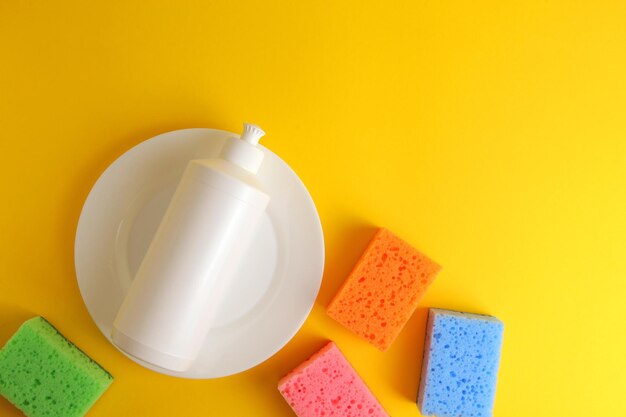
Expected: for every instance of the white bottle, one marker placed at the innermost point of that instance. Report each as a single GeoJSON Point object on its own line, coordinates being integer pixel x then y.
{"type": "Point", "coordinates": [166, 314]}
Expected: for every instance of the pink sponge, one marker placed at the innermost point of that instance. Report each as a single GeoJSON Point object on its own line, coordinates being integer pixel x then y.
{"type": "Point", "coordinates": [327, 385]}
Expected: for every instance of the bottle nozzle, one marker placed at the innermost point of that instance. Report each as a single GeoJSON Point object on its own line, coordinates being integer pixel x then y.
{"type": "Point", "coordinates": [244, 151]}
{"type": "Point", "coordinates": [252, 133]}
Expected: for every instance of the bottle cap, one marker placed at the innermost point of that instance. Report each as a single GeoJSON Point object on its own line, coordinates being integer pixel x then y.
{"type": "Point", "coordinates": [244, 151]}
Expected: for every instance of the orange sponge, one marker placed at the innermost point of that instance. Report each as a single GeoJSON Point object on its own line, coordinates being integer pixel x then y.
{"type": "Point", "coordinates": [382, 291]}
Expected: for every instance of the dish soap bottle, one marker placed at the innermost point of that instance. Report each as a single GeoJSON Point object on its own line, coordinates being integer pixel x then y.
{"type": "Point", "coordinates": [166, 314]}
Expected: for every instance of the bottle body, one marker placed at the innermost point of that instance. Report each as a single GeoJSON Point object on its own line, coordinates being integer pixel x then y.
{"type": "Point", "coordinates": [166, 314]}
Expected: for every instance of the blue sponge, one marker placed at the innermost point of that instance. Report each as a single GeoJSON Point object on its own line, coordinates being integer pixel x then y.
{"type": "Point", "coordinates": [460, 367]}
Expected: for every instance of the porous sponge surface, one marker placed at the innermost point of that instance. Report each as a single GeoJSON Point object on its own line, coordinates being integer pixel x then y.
{"type": "Point", "coordinates": [327, 385]}
{"type": "Point", "coordinates": [382, 291]}
{"type": "Point", "coordinates": [460, 367]}
{"type": "Point", "coordinates": [44, 374]}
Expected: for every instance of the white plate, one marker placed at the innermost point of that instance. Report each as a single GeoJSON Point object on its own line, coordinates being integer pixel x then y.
{"type": "Point", "coordinates": [273, 292]}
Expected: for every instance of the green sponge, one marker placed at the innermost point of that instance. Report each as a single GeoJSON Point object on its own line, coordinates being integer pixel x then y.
{"type": "Point", "coordinates": [44, 374]}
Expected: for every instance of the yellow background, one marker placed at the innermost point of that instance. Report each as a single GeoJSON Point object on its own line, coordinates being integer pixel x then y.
{"type": "Point", "coordinates": [490, 135]}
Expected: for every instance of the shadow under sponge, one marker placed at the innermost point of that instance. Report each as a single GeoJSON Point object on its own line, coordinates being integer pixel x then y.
{"type": "Point", "coordinates": [460, 366]}
{"type": "Point", "coordinates": [327, 385]}
{"type": "Point", "coordinates": [382, 291]}
{"type": "Point", "coordinates": [44, 374]}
